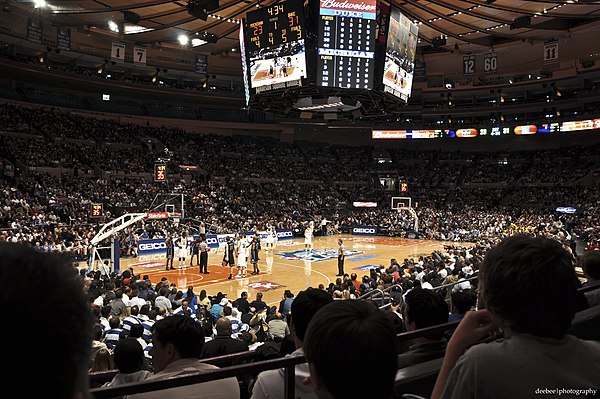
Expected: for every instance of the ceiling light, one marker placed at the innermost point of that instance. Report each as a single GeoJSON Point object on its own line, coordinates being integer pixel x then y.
{"type": "Point", "coordinates": [39, 3]}
{"type": "Point", "coordinates": [112, 25]}
{"type": "Point", "coordinates": [183, 39]}
{"type": "Point", "coordinates": [198, 42]}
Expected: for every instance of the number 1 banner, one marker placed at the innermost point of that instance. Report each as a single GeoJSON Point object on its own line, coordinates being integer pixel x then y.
{"type": "Point", "coordinates": [139, 55]}
{"type": "Point", "coordinates": [117, 53]}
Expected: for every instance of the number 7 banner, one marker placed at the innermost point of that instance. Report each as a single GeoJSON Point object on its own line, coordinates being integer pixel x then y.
{"type": "Point", "coordinates": [139, 55]}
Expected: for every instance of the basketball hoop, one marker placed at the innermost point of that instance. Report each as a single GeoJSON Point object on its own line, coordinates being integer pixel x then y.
{"type": "Point", "coordinates": [401, 204]}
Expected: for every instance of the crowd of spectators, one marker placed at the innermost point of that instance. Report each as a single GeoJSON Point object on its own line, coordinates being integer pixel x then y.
{"type": "Point", "coordinates": [64, 162]}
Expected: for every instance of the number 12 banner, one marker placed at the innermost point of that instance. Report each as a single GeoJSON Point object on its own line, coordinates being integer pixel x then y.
{"type": "Point", "coordinates": [469, 65]}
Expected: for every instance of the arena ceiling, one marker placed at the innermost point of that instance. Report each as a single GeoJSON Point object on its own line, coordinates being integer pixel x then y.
{"type": "Point", "coordinates": [443, 24]}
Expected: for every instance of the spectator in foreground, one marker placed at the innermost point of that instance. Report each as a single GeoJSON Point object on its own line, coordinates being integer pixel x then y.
{"type": "Point", "coordinates": [335, 335]}
{"type": "Point", "coordinates": [520, 281]}
{"type": "Point", "coordinates": [590, 263]}
{"type": "Point", "coordinates": [63, 311]}
{"type": "Point", "coordinates": [424, 308]}
{"type": "Point", "coordinates": [129, 359]}
{"type": "Point", "coordinates": [177, 345]}
{"type": "Point", "coordinates": [222, 343]}
{"type": "Point", "coordinates": [270, 383]}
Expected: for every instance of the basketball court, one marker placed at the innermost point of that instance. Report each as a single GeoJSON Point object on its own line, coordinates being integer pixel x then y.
{"type": "Point", "coordinates": [288, 266]}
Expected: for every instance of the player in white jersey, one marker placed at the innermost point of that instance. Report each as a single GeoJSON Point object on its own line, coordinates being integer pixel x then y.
{"type": "Point", "coordinates": [270, 240]}
{"type": "Point", "coordinates": [242, 253]}
{"type": "Point", "coordinates": [181, 243]}
{"type": "Point", "coordinates": [308, 236]}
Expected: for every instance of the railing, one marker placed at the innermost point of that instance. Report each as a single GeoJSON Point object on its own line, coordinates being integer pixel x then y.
{"type": "Point", "coordinates": [439, 287]}
{"type": "Point", "coordinates": [288, 364]}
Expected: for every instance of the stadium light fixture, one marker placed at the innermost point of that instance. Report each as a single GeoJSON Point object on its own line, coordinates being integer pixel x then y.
{"type": "Point", "coordinates": [183, 39]}
{"type": "Point", "coordinates": [198, 42]}
{"type": "Point", "coordinates": [113, 26]}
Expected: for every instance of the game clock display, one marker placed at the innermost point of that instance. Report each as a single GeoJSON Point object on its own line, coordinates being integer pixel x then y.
{"type": "Point", "coordinates": [346, 46]}
{"type": "Point", "coordinates": [275, 25]}
{"type": "Point", "coordinates": [275, 45]}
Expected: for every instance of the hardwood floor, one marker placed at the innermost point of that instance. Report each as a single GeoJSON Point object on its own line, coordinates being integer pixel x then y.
{"type": "Point", "coordinates": [288, 266]}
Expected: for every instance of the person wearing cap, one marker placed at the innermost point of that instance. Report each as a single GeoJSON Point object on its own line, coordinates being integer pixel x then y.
{"type": "Point", "coordinates": [217, 309]}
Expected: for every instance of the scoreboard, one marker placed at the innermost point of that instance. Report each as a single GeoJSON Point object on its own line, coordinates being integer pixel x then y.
{"type": "Point", "coordinates": [275, 47]}
{"type": "Point", "coordinates": [275, 25]}
{"type": "Point", "coordinates": [346, 45]}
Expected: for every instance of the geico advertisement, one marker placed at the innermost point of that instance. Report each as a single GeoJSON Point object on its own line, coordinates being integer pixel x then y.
{"type": "Point", "coordinates": [364, 230]}
{"type": "Point", "coordinates": [149, 246]}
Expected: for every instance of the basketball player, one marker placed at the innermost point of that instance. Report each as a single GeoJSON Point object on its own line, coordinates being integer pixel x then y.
{"type": "Point", "coordinates": [204, 249]}
{"type": "Point", "coordinates": [341, 257]}
{"type": "Point", "coordinates": [229, 256]}
{"type": "Point", "coordinates": [181, 250]}
{"type": "Point", "coordinates": [254, 250]}
{"type": "Point", "coordinates": [308, 236]}
{"type": "Point", "coordinates": [170, 250]}
{"type": "Point", "coordinates": [270, 238]}
{"type": "Point", "coordinates": [195, 245]}
{"type": "Point", "coordinates": [242, 254]}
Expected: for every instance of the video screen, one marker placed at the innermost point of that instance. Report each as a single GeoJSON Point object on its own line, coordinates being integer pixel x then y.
{"type": "Point", "coordinates": [400, 55]}
{"type": "Point", "coordinates": [271, 66]}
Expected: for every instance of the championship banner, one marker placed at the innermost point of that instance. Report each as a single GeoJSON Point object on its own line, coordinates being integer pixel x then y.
{"type": "Point", "coordinates": [35, 30]}
{"type": "Point", "coordinates": [551, 51]}
{"type": "Point", "coordinates": [160, 172]}
{"type": "Point", "coordinates": [201, 64]}
{"type": "Point", "coordinates": [63, 38]}
{"type": "Point", "coordinates": [97, 210]}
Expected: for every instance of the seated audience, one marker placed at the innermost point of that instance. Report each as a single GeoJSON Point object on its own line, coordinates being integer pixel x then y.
{"type": "Point", "coordinates": [130, 361]}
{"type": "Point", "coordinates": [177, 346]}
{"type": "Point", "coordinates": [424, 308]}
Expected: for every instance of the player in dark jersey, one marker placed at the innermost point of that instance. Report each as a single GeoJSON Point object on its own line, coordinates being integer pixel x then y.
{"type": "Point", "coordinates": [229, 256]}
{"type": "Point", "coordinates": [195, 252]}
{"type": "Point", "coordinates": [170, 251]}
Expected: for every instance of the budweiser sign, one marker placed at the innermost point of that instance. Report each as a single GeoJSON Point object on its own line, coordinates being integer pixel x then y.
{"type": "Point", "coordinates": [350, 5]}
